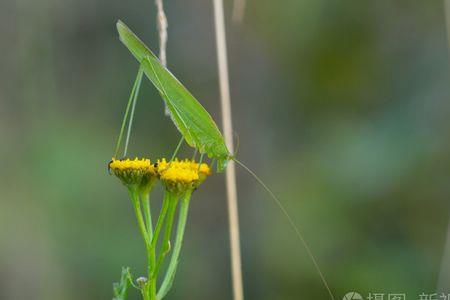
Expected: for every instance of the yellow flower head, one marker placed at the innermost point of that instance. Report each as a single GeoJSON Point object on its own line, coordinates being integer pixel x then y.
{"type": "Point", "coordinates": [203, 169]}
{"type": "Point", "coordinates": [181, 175]}
{"type": "Point", "coordinates": [139, 173]}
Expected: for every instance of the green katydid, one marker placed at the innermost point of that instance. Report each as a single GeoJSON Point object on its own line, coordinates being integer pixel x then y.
{"type": "Point", "coordinates": [197, 128]}
{"type": "Point", "coordinates": [191, 119]}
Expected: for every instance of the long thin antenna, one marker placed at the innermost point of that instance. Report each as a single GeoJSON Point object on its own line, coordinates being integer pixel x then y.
{"type": "Point", "coordinates": [236, 270]}
{"type": "Point", "coordinates": [292, 223]}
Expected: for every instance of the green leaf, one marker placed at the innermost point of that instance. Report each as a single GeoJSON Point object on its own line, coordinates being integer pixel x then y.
{"type": "Point", "coordinates": [189, 116]}
{"type": "Point", "coordinates": [121, 288]}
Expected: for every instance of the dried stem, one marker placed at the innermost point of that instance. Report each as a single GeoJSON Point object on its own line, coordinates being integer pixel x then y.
{"type": "Point", "coordinates": [228, 133]}
{"type": "Point", "coordinates": [161, 23]}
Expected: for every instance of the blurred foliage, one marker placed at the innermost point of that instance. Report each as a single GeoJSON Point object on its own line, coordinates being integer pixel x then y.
{"type": "Point", "coordinates": [341, 106]}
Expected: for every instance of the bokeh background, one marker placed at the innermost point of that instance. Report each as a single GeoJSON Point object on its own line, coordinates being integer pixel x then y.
{"type": "Point", "coordinates": [342, 107]}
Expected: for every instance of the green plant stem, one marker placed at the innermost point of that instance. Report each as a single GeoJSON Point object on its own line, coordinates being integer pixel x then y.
{"type": "Point", "coordinates": [161, 217]}
{"type": "Point", "coordinates": [154, 241]}
{"type": "Point", "coordinates": [134, 195]}
{"type": "Point", "coordinates": [145, 198]}
{"type": "Point", "coordinates": [145, 294]}
{"type": "Point", "coordinates": [165, 246]}
{"type": "Point", "coordinates": [137, 209]}
{"type": "Point", "coordinates": [172, 268]}
{"type": "Point", "coordinates": [150, 289]}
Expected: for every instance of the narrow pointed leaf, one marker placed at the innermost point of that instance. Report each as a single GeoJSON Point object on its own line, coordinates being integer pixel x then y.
{"type": "Point", "coordinates": [189, 116]}
{"type": "Point", "coordinates": [120, 289]}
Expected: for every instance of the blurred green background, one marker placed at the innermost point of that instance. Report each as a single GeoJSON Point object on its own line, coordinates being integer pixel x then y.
{"type": "Point", "coordinates": [342, 107]}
